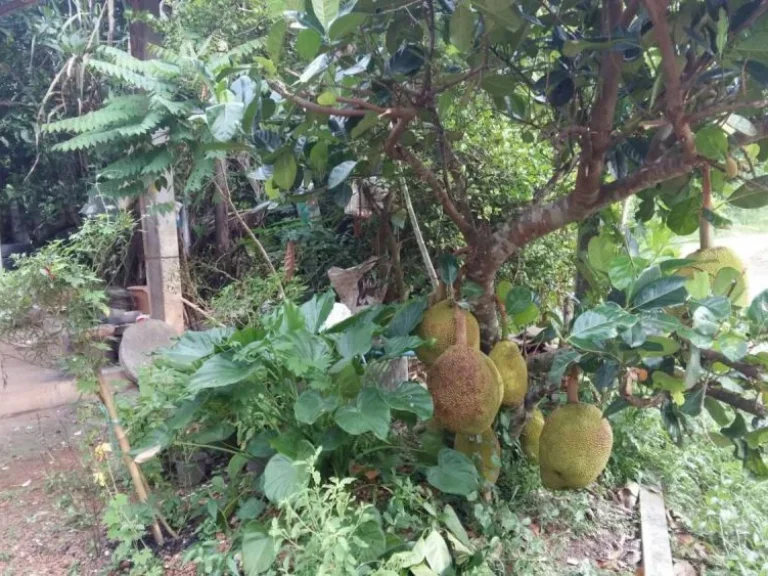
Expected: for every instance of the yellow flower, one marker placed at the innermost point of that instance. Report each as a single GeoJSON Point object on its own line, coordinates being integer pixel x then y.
{"type": "Point", "coordinates": [100, 479]}
{"type": "Point", "coordinates": [102, 450]}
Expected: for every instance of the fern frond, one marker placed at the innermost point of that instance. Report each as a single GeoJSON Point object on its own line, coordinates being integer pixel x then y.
{"type": "Point", "coordinates": [172, 107]}
{"type": "Point", "coordinates": [93, 139]}
{"type": "Point", "coordinates": [135, 79]}
{"type": "Point", "coordinates": [152, 67]}
{"type": "Point", "coordinates": [162, 160]}
{"type": "Point", "coordinates": [246, 49]}
{"type": "Point", "coordinates": [127, 167]}
{"type": "Point", "coordinates": [200, 175]}
{"type": "Point", "coordinates": [115, 111]}
{"type": "Point", "coordinates": [121, 188]}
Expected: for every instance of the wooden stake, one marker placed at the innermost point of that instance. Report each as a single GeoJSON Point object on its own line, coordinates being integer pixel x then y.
{"type": "Point", "coordinates": [108, 398]}
{"type": "Point", "coordinates": [705, 226]}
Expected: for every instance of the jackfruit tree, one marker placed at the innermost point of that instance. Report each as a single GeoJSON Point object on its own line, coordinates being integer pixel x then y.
{"type": "Point", "coordinates": [654, 104]}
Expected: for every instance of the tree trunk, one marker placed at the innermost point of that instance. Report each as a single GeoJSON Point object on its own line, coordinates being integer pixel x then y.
{"type": "Point", "coordinates": [484, 307]}
{"type": "Point", "coordinates": [705, 226]}
{"type": "Point", "coordinates": [141, 33]}
{"type": "Point", "coordinates": [221, 202]}
{"type": "Point", "coordinates": [588, 229]}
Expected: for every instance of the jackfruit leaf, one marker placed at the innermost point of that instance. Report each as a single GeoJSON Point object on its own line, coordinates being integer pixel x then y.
{"type": "Point", "coordinates": [454, 473]}
{"type": "Point", "coordinates": [720, 306]}
{"type": "Point", "coordinates": [283, 478]}
{"type": "Point", "coordinates": [318, 158]}
{"type": "Point", "coordinates": [716, 219]}
{"type": "Point", "coordinates": [752, 194]}
{"type": "Point", "coordinates": [615, 407]}
{"type": "Point", "coordinates": [410, 397]}
{"type": "Point", "coordinates": [712, 142]}
{"type": "Point", "coordinates": [621, 272]}
{"type": "Point", "coordinates": [346, 24]}
{"type": "Point", "coordinates": [219, 371]}
{"type": "Point", "coordinates": [732, 346]}
{"type": "Point", "coordinates": [448, 268]}
{"type": "Point", "coordinates": [259, 549]}
{"type": "Point", "coordinates": [757, 313]}
{"type": "Point", "coordinates": [318, 65]}
{"type": "Point", "coordinates": [757, 438]}
{"type": "Point", "coordinates": [737, 429]}
{"type": "Point", "coordinates": [224, 120]}
{"type": "Point", "coordinates": [657, 321]}
{"type": "Point", "coordinates": [216, 433]}
{"type": "Point", "coordinates": [661, 293]}
{"type": "Point", "coordinates": [650, 274]}
{"type": "Point", "coordinates": [593, 325]}
{"type": "Point", "coordinates": [370, 413]}
{"type": "Point", "coordinates": [658, 346]}
{"type": "Point", "coordinates": [317, 310]}
{"type": "Point", "coordinates": [275, 40]}
{"type": "Point", "coordinates": [463, 28]}
{"type": "Point", "coordinates": [697, 285]}
{"type": "Point", "coordinates": [674, 264]}
{"type": "Point", "coordinates": [717, 411]}
{"type": "Point", "coordinates": [406, 318]}
{"type": "Point", "coordinates": [527, 316]}
{"type": "Point", "coordinates": [311, 405]}
{"type": "Point", "coordinates": [502, 290]}
{"type": "Point", "coordinates": [340, 173]}
{"type": "Point", "coordinates": [357, 340]}
{"type": "Point", "coordinates": [694, 402]}
{"type": "Point", "coordinates": [563, 359]}
{"type": "Point", "coordinates": [606, 374]}
{"type": "Point", "coordinates": [675, 386]}
{"type": "Point", "coordinates": [684, 217]}
{"type": "Point", "coordinates": [704, 321]}
{"type": "Point", "coordinates": [285, 170]}
{"type": "Point", "coordinates": [436, 553]}
{"type": "Point", "coordinates": [192, 347]}
{"type": "Point", "coordinates": [755, 464]}
{"type": "Point", "coordinates": [471, 290]}
{"type": "Point", "coordinates": [635, 336]}
{"type": "Point", "coordinates": [451, 521]}
{"type": "Point", "coordinates": [729, 283]}
{"type": "Point", "coordinates": [503, 14]}
{"type": "Point", "coordinates": [600, 251]}
{"type": "Point", "coordinates": [498, 85]}
{"type": "Point", "coordinates": [519, 298]}
{"type": "Point", "coordinates": [326, 11]}
{"type": "Point", "coordinates": [308, 43]}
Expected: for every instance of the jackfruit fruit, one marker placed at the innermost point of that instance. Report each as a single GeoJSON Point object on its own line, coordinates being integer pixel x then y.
{"type": "Point", "coordinates": [712, 261]}
{"type": "Point", "coordinates": [466, 390]}
{"type": "Point", "coordinates": [574, 447]}
{"type": "Point", "coordinates": [529, 439]}
{"type": "Point", "coordinates": [439, 322]}
{"type": "Point", "coordinates": [731, 167]}
{"type": "Point", "coordinates": [484, 450]}
{"type": "Point", "coordinates": [514, 372]}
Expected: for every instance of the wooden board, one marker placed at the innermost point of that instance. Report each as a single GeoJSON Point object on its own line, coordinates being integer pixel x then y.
{"type": "Point", "coordinates": [657, 553]}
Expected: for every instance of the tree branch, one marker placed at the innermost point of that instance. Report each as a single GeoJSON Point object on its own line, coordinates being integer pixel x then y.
{"type": "Point", "coordinates": [724, 107]}
{"type": "Point", "coordinates": [363, 107]}
{"type": "Point", "coordinates": [733, 399]}
{"type": "Point", "coordinates": [657, 10]}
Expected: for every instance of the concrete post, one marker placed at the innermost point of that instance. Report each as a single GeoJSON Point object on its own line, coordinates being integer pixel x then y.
{"type": "Point", "coordinates": [161, 254]}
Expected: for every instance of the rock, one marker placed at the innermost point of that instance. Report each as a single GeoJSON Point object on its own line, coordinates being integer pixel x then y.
{"type": "Point", "coordinates": [140, 341]}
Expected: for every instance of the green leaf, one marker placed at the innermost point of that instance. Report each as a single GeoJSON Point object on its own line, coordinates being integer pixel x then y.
{"type": "Point", "coordinates": [236, 465]}
{"type": "Point", "coordinates": [340, 173]}
{"type": "Point", "coordinates": [410, 397]}
{"type": "Point", "coordinates": [259, 550]}
{"type": "Point", "coordinates": [326, 99]}
{"type": "Point", "coordinates": [498, 85]}
{"type": "Point", "coordinates": [250, 509]}
{"type": "Point", "coordinates": [729, 282]}
{"type": "Point", "coordinates": [451, 521]}
{"type": "Point", "coordinates": [215, 433]}
{"type": "Point", "coordinates": [346, 24]}
{"type": "Point", "coordinates": [448, 268]}
{"type": "Point", "coordinates": [737, 429]}
{"type": "Point", "coordinates": [326, 11]}
{"type": "Point", "coordinates": [606, 374]}
{"type": "Point", "coordinates": [219, 371]}
{"type": "Point", "coordinates": [406, 318]}
{"type": "Point", "coordinates": [527, 316]}
{"type": "Point", "coordinates": [285, 170]}
{"type": "Point", "coordinates": [369, 121]}
{"type": "Point", "coordinates": [662, 293]}
{"type": "Point", "coordinates": [436, 553]}
{"type": "Point", "coordinates": [463, 27]}
{"type": "Point", "coordinates": [283, 478]}
{"type": "Point", "coordinates": [722, 31]}
{"type": "Point", "coordinates": [501, 13]}
{"type": "Point", "coordinates": [318, 158]}
{"type": "Point", "coordinates": [621, 272]}
{"type": "Point", "coordinates": [757, 313]}
{"type": "Point", "coordinates": [224, 120]}
{"type": "Point", "coordinates": [732, 346]}
{"type": "Point", "coordinates": [757, 438]}
{"type": "Point", "coordinates": [752, 194]}
{"type": "Point", "coordinates": [370, 413]}
{"type": "Point", "coordinates": [717, 411]}
{"type": "Point", "coordinates": [600, 252]}
{"type": "Point", "coordinates": [650, 274]}
{"type": "Point", "coordinates": [563, 359]}
{"type": "Point", "coordinates": [193, 347]}
{"type": "Point", "coordinates": [308, 43]}
{"type": "Point", "coordinates": [518, 300]}
{"type": "Point", "coordinates": [356, 340]}
{"type": "Point", "coordinates": [311, 405]}
{"type": "Point", "coordinates": [454, 473]}
{"type": "Point", "coordinates": [275, 40]}
{"type": "Point", "coordinates": [658, 347]}
{"type": "Point", "coordinates": [592, 325]}
{"type": "Point", "coordinates": [615, 407]}
{"type": "Point", "coordinates": [675, 386]}
{"type": "Point", "coordinates": [374, 537]}
{"type": "Point", "coordinates": [698, 285]}
{"type": "Point", "coordinates": [318, 65]}
{"type": "Point", "coordinates": [317, 310]}
{"type": "Point", "coordinates": [712, 142]}
{"type": "Point", "coordinates": [684, 217]}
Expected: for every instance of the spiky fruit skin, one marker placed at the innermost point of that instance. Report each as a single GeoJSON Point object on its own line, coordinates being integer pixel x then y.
{"type": "Point", "coordinates": [514, 372]}
{"type": "Point", "coordinates": [711, 261]}
{"type": "Point", "coordinates": [574, 447]}
{"type": "Point", "coordinates": [439, 322]}
{"type": "Point", "coordinates": [466, 390]}
{"type": "Point", "coordinates": [529, 439]}
{"type": "Point", "coordinates": [484, 450]}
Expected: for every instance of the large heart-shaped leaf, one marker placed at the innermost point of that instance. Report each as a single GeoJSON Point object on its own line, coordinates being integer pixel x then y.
{"type": "Point", "coordinates": [259, 550]}
{"type": "Point", "coordinates": [752, 194]}
{"type": "Point", "coordinates": [411, 397]}
{"type": "Point", "coordinates": [370, 413]}
{"type": "Point", "coordinates": [219, 371]}
{"type": "Point", "coordinates": [661, 293]}
{"type": "Point", "coordinates": [224, 120]}
{"type": "Point", "coordinates": [454, 473]}
{"type": "Point", "coordinates": [283, 478]}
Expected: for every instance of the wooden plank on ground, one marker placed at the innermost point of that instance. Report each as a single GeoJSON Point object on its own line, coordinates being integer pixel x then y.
{"type": "Point", "coordinates": [657, 553]}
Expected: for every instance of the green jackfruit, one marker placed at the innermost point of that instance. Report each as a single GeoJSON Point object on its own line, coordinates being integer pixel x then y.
{"type": "Point", "coordinates": [514, 372]}
{"type": "Point", "coordinates": [484, 450]}
{"type": "Point", "coordinates": [529, 439]}
{"type": "Point", "coordinates": [439, 322]}
{"type": "Point", "coordinates": [712, 261]}
{"type": "Point", "coordinates": [574, 446]}
{"type": "Point", "coordinates": [466, 390]}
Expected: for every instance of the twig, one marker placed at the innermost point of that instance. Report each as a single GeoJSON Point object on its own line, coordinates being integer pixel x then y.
{"type": "Point", "coordinates": [419, 237]}
{"type": "Point", "coordinates": [202, 312]}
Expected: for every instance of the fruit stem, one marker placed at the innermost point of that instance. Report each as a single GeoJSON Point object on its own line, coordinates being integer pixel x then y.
{"type": "Point", "coordinates": [504, 318]}
{"type": "Point", "coordinates": [705, 226]}
{"type": "Point", "coordinates": [461, 325]}
{"type": "Point", "coordinates": [572, 385]}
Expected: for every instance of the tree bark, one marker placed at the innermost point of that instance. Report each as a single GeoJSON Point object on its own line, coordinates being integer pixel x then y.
{"type": "Point", "coordinates": [588, 229]}
{"type": "Point", "coordinates": [141, 34]}
{"type": "Point", "coordinates": [705, 226]}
